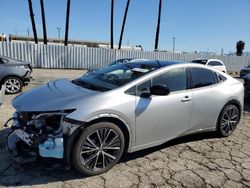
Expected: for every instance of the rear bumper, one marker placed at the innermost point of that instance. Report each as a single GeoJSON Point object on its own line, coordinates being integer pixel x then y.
{"type": "Point", "coordinates": [2, 92]}
{"type": "Point", "coordinates": [27, 78]}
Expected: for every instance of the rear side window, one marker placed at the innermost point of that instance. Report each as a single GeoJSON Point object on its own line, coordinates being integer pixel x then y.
{"type": "Point", "coordinates": [175, 80]}
{"type": "Point", "coordinates": [215, 63]}
{"type": "Point", "coordinates": [200, 77]}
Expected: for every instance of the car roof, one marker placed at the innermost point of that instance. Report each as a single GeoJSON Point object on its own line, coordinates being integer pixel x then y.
{"type": "Point", "coordinates": [155, 63]}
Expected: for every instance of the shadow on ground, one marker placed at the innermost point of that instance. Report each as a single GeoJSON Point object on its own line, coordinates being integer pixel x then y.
{"type": "Point", "coordinates": [45, 171]}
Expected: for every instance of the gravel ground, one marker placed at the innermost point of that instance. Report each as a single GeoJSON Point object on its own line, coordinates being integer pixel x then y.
{"type": "Point", "coordinates": [201, 160]}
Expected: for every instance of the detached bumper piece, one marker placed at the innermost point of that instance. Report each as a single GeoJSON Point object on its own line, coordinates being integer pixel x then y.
{"type": "Point", "coordinates": [20, 147]}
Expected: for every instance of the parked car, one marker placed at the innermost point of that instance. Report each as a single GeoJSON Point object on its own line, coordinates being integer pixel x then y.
{"type": "Point", "coordinates": [2, 91]}
{"type": "Point", "coordinates": [216, 63]}
{"type": "Point", "coordinates": [91, 121]}
{"type": "Point", "coordinates": [246, 79]}
{"type": "Point", "coordinates": [245, 71]}
{"type": "Point", "coordinates": [119, 61]}
{"type": "Point", "coordinates": [14, 74]}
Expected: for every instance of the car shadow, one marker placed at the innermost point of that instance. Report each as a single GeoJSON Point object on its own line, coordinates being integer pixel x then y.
{"type": "Point", "coordinates": [49, 170]}
{"type": "Point", "coordinates": [174, 142]}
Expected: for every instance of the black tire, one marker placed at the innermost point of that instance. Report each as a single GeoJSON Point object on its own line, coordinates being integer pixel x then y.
{"type": "Point", "coordinates": [91, 161]}
{"type": "Point", "coordinates": [13, 85]}
{"type": "Point", "coordinates": [228, 120]}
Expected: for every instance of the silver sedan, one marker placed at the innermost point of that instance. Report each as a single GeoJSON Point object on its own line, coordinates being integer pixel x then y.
{"type": "Point", "coordinates": [91, 121]}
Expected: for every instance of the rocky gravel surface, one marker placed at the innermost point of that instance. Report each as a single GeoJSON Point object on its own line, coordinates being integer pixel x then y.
{"type": "Point", "coordinates": [201, 160]}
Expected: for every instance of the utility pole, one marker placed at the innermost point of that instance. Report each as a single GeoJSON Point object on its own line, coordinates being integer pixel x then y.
{"type": "Point", "coordinates": [58, 31]}
{"type": "Point", "coordinates": [123, 24]}
{"type": "Point", "coordinates": [44, 22]}
{"type": "Point", "coordinates": [28, 31]}
{"type": "Point", "coordinates": [67, 23]}
{"type": "Point", "coordinates": [32, 21]}
{"type": "Point", "coordinates": [173, 43]}
{"type": "Point", "coordinates": [222, 51]}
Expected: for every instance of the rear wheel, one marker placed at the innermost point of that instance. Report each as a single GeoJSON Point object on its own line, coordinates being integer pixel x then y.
{"type": "Point", "coordinates": [13, 85]}
{"type": "Point", "coordinates": [228, 120]}
{"type": "Point", "coordinates": [98, 149]}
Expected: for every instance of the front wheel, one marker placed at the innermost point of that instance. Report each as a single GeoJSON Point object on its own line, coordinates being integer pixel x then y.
{"type": "Point", "coordinates": [228, 120]}
{"type": "Point", "coordinates": [98, 149]}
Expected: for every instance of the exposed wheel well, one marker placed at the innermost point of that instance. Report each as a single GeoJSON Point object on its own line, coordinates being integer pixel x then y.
{"type": "Point", "coordinates": [120, 124]}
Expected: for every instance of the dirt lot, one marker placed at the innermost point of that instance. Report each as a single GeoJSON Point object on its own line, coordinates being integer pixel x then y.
{"type": "Point", "coordinates": [195, 161]}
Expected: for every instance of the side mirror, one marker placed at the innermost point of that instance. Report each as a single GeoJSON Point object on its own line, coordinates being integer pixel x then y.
{"type": "Point", "coordinates": [160, 90]}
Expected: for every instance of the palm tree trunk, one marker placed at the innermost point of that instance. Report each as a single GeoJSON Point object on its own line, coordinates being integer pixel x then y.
{"type": "Point", "coordinates": [44, 22]}
{"type": "Point", "coordinates": [158, 26]}
{"type": "Point", "coordinates": [123, 24]}
{"type": "Point", "coordinates": [67, 23]}
{"type": "Point", "coordinates": [32, 20]}
{"type": "Point", "coordinates": [112, 25]}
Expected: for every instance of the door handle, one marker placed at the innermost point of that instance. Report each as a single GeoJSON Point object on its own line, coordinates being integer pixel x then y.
{"type": "Point", "coordinates": [186, 99]}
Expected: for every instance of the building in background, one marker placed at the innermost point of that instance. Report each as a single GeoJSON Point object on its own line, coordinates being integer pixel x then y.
{"type": "Point", "coordinates": [85, 43]}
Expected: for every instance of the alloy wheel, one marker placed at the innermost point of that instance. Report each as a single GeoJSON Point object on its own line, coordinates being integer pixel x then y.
{"type": "Point", "coordinates": [229, 120]}
{"type": "Point", "coordinates": [100, 149]}
{"type": "Point", "coordinates": [12, 85]}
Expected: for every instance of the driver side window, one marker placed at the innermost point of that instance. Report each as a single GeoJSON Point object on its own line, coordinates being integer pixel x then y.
{"type": "Point", "coordinates": [142, 87]}
{"type": "Point", "coordinates": [175, 80]}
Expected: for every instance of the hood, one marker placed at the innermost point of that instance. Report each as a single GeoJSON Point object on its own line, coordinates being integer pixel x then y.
{"type": "Point", "coordinates": [53, 96]}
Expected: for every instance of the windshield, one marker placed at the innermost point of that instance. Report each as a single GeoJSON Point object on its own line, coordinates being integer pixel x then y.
{"type": "Point", "coordinates": [200, 61]}
{"type": "Point", "coordinates": [112, 77]}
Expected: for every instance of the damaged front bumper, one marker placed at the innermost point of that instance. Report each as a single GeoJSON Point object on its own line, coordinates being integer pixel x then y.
{"type": "Point", "coordinates": [42, 135]}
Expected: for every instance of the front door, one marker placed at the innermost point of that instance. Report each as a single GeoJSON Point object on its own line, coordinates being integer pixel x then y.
{"type": "Point", "coordinates": [160, 118]}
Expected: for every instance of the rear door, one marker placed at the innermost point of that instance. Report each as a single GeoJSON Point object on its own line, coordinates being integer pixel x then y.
{"type": "Point", "coordinates": [209, 96]}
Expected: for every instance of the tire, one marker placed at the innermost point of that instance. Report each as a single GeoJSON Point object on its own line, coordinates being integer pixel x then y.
{"type": "Point", "coordinates": [13, 85]}
{"type": "Point", "coordinates": [228, 120]}
{"type": "Point", "coordinates": [90, 157]}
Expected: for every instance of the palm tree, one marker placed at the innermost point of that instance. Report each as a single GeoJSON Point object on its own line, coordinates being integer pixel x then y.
{"type": "Point", "coordinates": [67, 23]}
{"type": "Point", "coordinates": [123, 24]}
{"type": "Point", "coordinates": [158, 26]}
{"type": "Point", "coordinates": [32, 20]}
{"type": "Point", "coordinates": [240, 45]}
{"type": "Point", "coordinates": [44, 22]}
{"type": "Point", "coordinates": [112, 25]}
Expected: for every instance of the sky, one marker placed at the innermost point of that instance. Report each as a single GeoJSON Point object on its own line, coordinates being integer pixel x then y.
{"type": "Point", "coordinates": [197, 25]}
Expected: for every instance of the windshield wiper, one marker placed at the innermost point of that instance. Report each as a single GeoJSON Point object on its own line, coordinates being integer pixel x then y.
{"type": "Point", "coordinates": [87, 85]}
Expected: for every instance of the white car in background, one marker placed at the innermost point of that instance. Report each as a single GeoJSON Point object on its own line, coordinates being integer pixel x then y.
{"type": "Point", "coordinates": [216, 63]}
